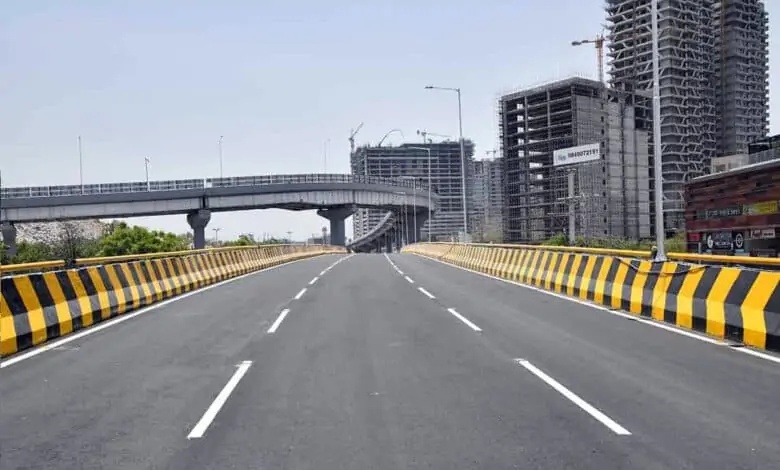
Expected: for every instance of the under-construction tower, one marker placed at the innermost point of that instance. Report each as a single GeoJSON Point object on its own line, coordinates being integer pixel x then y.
{"type": "Point", "coordinates": [712, 80]}
{"type": "Point", "coordinates": [742, 73]}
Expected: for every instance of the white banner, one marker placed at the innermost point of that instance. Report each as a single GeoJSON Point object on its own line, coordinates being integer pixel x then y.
{"type": "Point", "coordinates": [579, 154]}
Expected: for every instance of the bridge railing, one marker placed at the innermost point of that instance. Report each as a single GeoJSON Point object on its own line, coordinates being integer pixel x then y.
{"type": "Point", "coordinates": [201, 183]}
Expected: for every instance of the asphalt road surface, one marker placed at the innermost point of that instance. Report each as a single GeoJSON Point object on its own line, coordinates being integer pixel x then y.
{"type": "Point", "coordinates": [376, 362]}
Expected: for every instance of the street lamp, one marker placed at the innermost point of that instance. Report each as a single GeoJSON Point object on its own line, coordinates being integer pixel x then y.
{"type": "Point", "coordinates": [216, 234]}
{"type": "Point", "coordinates": [462, 154]}
{"type": "Point", "coordinates": [430, 186]}
{"type": "Point", "coordinates": [657, 168]}
{"type": "Point", "coordinates": [146, 167]}
{"type": "Point", "coordinates": [220, 155]}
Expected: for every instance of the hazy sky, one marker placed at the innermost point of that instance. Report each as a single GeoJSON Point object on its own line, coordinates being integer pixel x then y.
{"type": "Point", "coordinates": [166, 78]}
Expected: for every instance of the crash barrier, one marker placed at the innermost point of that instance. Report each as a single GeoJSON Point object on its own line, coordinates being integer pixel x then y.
{"type": "Point", "coordinates": [40, 306]}
{"type": "Point", "coordinates": [736, 304]}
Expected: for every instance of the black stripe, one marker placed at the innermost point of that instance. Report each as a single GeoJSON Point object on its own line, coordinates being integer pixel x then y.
{"type": "Point", "coordinates": [194, 270]}
{"type": "Point", "coordinates": [567, 274]}
{"type": "Point", "coordinates": [113, 302]}
{"type": "Point", "coordinates": [89, 287]}
{"type": "Point", "coordinates": [625, 303]}
{"type": "Point", "coordinates": [706, 283]}
{"type": "Point", "coordinates": [18, 313]}
{"type": "Point", "coordinates": [647, 292]}
{"type": "Point", "coordinates": [162, 278]}
{"type": "Point", "coordinates": [47, 305]}
{"type": "Point", "coordinates": [167, 272]}
{"type": "Point", "coordinates": [144, 267]}
{"type": "Point", "coordinates": [556, 267]}
{"type": "Point", "coordinates": [70, 295]}
{"type": "Point", "coordinates": [180, 267]}
{"type": "Point", "coordinates": [126, 288]}
{"type": "Point", "coordinates": [135, 283]}
{"type": "Point", "coordinates": [672, 292]}
{"type": "Point", "coordinates": [772, 317]}
{"type": "Point", "coordinates": [610, 281]}
{"type": "Point", "coordinates": [594, 277]}
{"type": "Point", "coordinates": [584, 259]}
{"type": "Point", "coordinates": [735, 328]}
{"type": "Point", "coordinates": [536, 268]}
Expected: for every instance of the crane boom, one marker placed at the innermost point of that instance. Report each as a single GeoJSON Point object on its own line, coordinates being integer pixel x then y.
{"type": "Point", "coordinates": [352, 134]}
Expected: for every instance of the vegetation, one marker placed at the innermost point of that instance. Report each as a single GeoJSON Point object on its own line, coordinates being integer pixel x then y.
{"type": "Point", "coordinates": [675, 244]}
{"type": "Point", "coordinates": [123, 239]}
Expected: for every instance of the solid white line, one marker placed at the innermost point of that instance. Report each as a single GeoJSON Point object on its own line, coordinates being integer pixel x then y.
{"type": "Point", "coordinates": [200, 429]}
{"type": "Point", "coordinates": [300, 294]}
{"type": "Point", "coordinates": [657, 324]}
{"type": "Point", "coordinates": [464, 320]}
{"type": "Point", "coordinates": [426, 292]}
{"type": "Point", "coordinates": [311, 283]}
{"type": "Point", "coordinates": [574, 398]}
{"type": "Point", "coordinates": [409, 279]}
{"type": "Point", "coordinates": [279, 320]}
{"type": "Point", "coordinates": [121, 319]}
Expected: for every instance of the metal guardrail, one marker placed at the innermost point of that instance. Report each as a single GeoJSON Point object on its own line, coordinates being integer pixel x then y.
{"type": "Point", "coordinates": [387, 222]}
{"type": "Point", "coordinates": [175, 185]}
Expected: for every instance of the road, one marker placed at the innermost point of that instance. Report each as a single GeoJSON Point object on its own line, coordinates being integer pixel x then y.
{"type": "Point", "coordinates": [383, 362]}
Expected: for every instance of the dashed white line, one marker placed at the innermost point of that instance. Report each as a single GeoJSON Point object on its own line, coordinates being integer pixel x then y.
{"type": "Point", "coordinates": [200, 429]}
{"type": "Point", "coordinates": [409, 279]}
{"type": "Point", "coordinates": [279, 321]}
{"type": "Point", "coordinates": [464, 320]}
{"type": "Point", "coordinates": [311, 283]}
{"type": "Point", "coordinates": [430, 296]}
{"type": "Point", "coordinates": [323, 272]}
{"type": "Point", "coordinates": [574, 398]}
{"type": "Point", "coordinates": [300, 294]}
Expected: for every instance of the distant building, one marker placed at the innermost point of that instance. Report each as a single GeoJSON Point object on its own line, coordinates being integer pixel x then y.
{"type": "Point", "coordinates": [761, 150]}
{"type": "Point", "coordinates": [488, 200]}
{"type": "Point", "coordinates": [575, 125]}
{"type": "Point", "coordinates": [407, 162]}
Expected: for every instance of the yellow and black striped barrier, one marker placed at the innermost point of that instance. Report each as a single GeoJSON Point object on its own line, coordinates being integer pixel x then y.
{"type": "Point", "coordinates": [37, 307]}
{"type": "Point", "coordinates": [737, 304]}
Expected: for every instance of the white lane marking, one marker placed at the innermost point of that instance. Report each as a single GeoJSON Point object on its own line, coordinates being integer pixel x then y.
{"type": "Point", "coordinates": [323, 272]}
{"type": "Point", "coordinates": [663, 326]}
{"type": "Point", "coordinates": [200, 429]}
{"type": "Point", "coordinates": [278, 321]}
{"type": "Point", "coordinates": [121, 319]}
{"type": "Point", "coordinates": [574, 398]}
{"type": "Point", "coordinates": [426, 293]}
{"type": "Point", "coordinates": [300, 294]}
{"type": "Point", "coordinates": [397, 269]}
{"type": "Point", "coordinates": [311, 283]}
{"type": "Point", "coordinates": [409, 279]}
{"type": "Point", "coordinates": [464, 320]}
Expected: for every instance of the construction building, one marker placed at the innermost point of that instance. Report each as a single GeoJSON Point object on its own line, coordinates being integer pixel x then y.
{"type": "Point", "coordinates": [575, 125]}
{"type": "Point", "coordinates": [412, 161]}
{"type": "Point", "coordinates": [488, 201]}
{"type": "Point", "coordinates": [713, 80]}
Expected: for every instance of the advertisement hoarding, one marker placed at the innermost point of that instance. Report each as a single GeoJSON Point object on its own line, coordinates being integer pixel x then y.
{"type": "Point", "coordinates": [578, 154]}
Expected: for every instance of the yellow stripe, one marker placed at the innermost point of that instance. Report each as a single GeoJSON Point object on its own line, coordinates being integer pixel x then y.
{"type": "Point", "coordinates": [601, 281]}
{"type": "Point", "coordinates": [549, 275]}
{"type": "Point", "coordinates": [685, 297]}
{"type": "Point", "coordinates": [716, 298]}
{"type": "Point", "coordinates": [617, 284]}
{"type": "Point", "coordinates": [144, 282]}
{"type": "Point", "coordinates": [60, 303]}
{"type": "Point", "coordinates": [174, 280]}
{"type": "Point", "coordinates": [82, 298]}
{"type": "Point", "coordinates": [165, 280]}
{"type": "Point", "coordinates": [539, 273]}
{"type": "Point", "coordinates": [517, 264]}
{"type": "Point", "coordinates": [33, 307]}
{"type": "Point", "coordinates": [638, 286]}
{"type": "Point", "coordinates": [587, 275]}
{"type": "Point", "coordinates": [7, 329]}
{"type": "Point", "coordinates": [571, 279]}
{"type": "Point", "coordinates": [525, 274]}
{"type": "Point", "coordinates": [753, 307]}
{"type": "Point", "coordinates": [660, 290]}
{"type": "Point", "coordinates": [102, 295]}
{"type": "Point", "coordinates": [561, 272]}
{"type": "Point", "coordinates": [135, 290]}
{"type": "Point", "coordinates": [121, 301]}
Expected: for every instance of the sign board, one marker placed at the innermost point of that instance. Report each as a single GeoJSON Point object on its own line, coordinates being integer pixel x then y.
{"type": "Point", "coordinates": [762, 234]}
{"type": "Point", "coordinates": [579, 154]}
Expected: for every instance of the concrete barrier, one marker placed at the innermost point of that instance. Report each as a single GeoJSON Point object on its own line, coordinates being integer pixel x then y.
{"type": "Point", "coordinates": [38, 307]}
{"type": "Point", "coordinates": [742, 305]}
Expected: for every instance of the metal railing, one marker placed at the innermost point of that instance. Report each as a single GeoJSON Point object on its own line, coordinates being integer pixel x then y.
{"type": "Point", "coordinates": [176, 185]}
{"type": "Point", "coordinates": [387, 222]}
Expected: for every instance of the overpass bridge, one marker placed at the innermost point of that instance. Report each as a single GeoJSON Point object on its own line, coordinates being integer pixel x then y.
{"type": "Point", "coordinates": [334, 197]}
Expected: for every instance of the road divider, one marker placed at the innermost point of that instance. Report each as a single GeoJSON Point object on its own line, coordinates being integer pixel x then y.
{"type": "Point", "coordinates": [38, 307]}
{"type": "Point", "coordinates": [737, 304]}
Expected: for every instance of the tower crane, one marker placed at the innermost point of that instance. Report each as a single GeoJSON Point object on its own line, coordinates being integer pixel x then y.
{"type": "Point", "coordinates": [352, 134]}
{"type": "Point", "coordinates": [598, 41]}
{"type": "Point", "coordinates": [425, 135]}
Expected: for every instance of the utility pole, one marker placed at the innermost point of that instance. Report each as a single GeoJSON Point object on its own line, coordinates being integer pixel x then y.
{"type": "Point", "coordinates": [660, 237]}
{"type": "Point", "coordinates": [146, 165]}
{"type": "Point", "coordinates": [81, 168]}
{"type": "Point", "coordinates": [220, 155]}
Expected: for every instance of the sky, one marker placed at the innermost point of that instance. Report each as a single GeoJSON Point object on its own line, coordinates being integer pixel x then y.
{"type": "Point", "coordinates": [283, 81]}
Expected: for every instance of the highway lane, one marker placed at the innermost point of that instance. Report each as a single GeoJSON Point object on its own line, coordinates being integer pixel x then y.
{"type": "Point", "coordinates": [122, 398]}
{"type": "Point", "coordinates": [688, 404]}
{"type": "Point", "coordinates": [387, 364]}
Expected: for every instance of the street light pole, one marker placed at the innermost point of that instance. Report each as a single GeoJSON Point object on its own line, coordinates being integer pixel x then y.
{"type": "Point", "coordinates": [430, 189]}
{"type": "Point", "coordinates": [216, 235]}
{"type": "Point", "coordinates": [462, 155]}
{"type": "Point", "coordinates": [220, 156]}
{"type": "Point", "coordinates": [146, 167]}
{"type": "Point", "coordinates": [660, 237]}
{"type": "Point", "coordinates": [81, 168]}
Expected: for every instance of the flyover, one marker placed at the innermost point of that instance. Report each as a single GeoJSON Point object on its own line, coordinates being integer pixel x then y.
{"type": "Point", "coordinates": [334, 197]}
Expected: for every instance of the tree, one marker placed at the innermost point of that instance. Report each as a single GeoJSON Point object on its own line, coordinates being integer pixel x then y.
{"type": "Point", "coordinates": [126, 240]}
{"type": "Point", "coordinates": [245, 239]}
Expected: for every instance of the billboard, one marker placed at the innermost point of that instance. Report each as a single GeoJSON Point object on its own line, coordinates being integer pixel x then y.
{"type": "Point", "coordinates": [579, 154]}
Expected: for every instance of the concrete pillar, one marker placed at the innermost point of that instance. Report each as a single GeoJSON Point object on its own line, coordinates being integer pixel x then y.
{"type": "Point", "coordinates": [8, 230]}
{"type": "Point", "coordinates": [336, 216]}
{"type": "Point", "coordinates": [389, 242]}
{"type": "Point", "coordinates": [415, 235]}
{"type": "Point", "coordinates": [198, 220]}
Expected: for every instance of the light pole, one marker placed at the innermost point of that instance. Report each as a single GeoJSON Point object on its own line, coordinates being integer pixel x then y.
{"type": "Point", "coordinates": [81, 168]}
{"type": "Point", "coordinates": [462, 155]}
{"type": "Point", "coordinates": [216, 234]}
{"type": "Point", "coordinates": [657, 168]}
{"type": "Point", "coordinates": [146, 167]}
{"type": "Point", "coordinates": [325, 156]}
{"type": "Point", "coordinates": [430, 186]}
{"type": "Point", "coordinates": [220, 155]}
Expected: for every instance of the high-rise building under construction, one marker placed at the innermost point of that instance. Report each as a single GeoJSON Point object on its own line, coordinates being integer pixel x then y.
{"type": "Point", "coordinates": [713, 80]}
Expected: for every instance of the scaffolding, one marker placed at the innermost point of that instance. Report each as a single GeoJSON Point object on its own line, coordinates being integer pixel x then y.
{"type": "Point", "coordinates": [611, 195]}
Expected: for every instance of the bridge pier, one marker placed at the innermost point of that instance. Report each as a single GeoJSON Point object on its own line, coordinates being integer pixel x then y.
{"type": "Point", "coordinates": [8, 230]}
{"type": "Point", "coordinates": [198, 221]}
{"type": "Point", "coordinates": [388, 244]}
{"type": "Point", "coordinates": [414, 234]}
{"type": "Point", "coordinates": [337, 216]}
